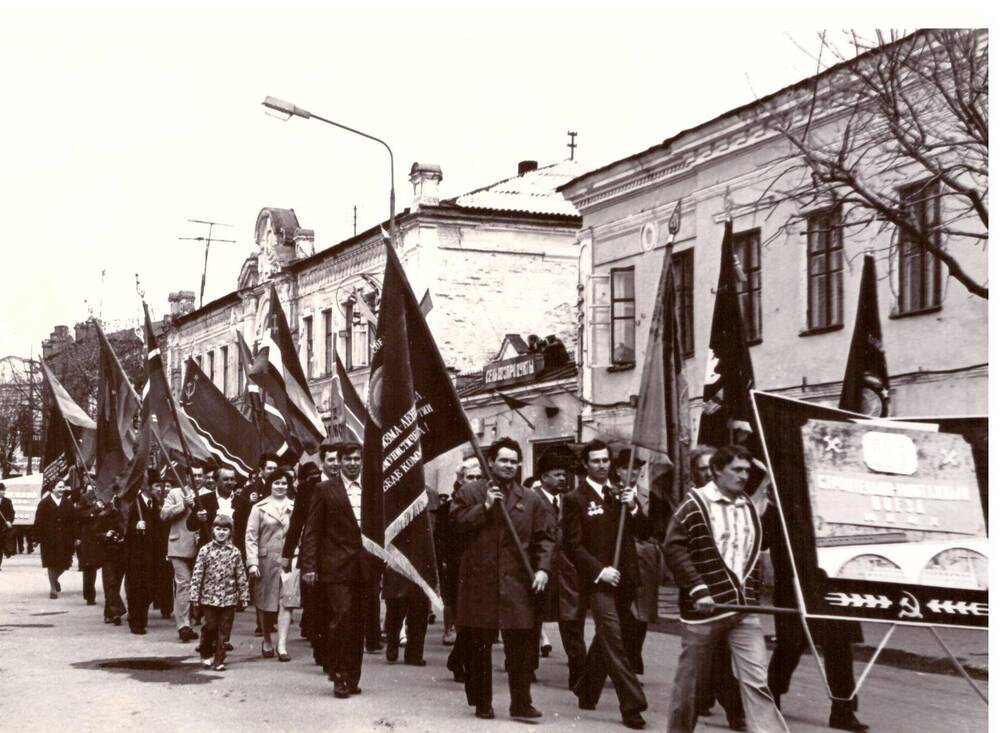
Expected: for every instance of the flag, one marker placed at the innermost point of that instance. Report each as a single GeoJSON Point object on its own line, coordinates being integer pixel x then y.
{"type": "Point", "coordinates": [266, 419]}
{"type": "Point", "coordinates": [231, 439]}
{"type": "Point", "coordinates": [117, 406]}
{"type": "Point", "coordinates": [346, 405]}
{"type": "Point", "coordinates": [130, 482]}
{"type": "Point", "coordinates": [728, 369]}
{"type": "Point", "coordinates": [866, 381]}
{"type": "Point", "coordinates": [67, 421]}
{"type": "Point", "coordinates": [277, 370]}
{"type": "Point", "coordinates": [662, 420]}
{"type": "Point", "coordinates": [413, 416]}
{"type": "Point", "coordinates": [174, 431]}
{"type": "Point", "coordinates": [516, 404]}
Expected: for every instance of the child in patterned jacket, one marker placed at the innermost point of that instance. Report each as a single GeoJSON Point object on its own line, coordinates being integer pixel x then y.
{"type": "Point", "coordinates": [219, 585]}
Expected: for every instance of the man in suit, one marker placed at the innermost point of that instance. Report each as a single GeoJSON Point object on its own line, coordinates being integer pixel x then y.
{"type": "Point", "coordinates": [561, 601]}
{"type": "Point", "coordinates": [495, 590]}
{"type": "Point", "coordinates": [142, 560]}
{"type": "Point", "coordinates": [182, 547]}
{"type": "Point", "coordinates": [332, 559]}
{"type": "Point", "coordinates": [712, 548]}
{"type": "Point", "coordinates": [591, 515]}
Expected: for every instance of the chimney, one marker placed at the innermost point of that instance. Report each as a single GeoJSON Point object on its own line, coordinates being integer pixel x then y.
{"type": "Point", "coordinates": [527, 166]}
{"type": "Point", "coordinates": [82, 330]}
{"type": "Point", "coordinates": [181, 303]}
{"type": "Point", "coordinates": [425, 178]}
{"type": "Point", "coordinates": [58, 340]}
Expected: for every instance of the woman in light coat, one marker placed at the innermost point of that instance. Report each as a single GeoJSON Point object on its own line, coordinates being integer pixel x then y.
{"type": "Point", "coordinates": [265, 539]}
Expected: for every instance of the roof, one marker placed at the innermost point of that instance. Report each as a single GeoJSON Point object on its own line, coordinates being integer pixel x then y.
{"type": "Point", "coordinates": [473, 383]}
{"type": "Point", "coordinates": [735, 112]}
{"type": "Point", "coordinates": [535, 192]}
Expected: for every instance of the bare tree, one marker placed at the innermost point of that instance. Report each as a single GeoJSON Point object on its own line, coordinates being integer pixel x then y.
{"type": "Point", "coordinates": [881, 115]}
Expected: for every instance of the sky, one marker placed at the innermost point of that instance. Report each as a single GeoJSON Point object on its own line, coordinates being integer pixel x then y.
{"type": "Point", "coordinates": [117, 126]}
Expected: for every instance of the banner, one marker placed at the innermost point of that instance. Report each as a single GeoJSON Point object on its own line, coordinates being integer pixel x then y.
{"type": "Point", "coordinates": [884, 520]}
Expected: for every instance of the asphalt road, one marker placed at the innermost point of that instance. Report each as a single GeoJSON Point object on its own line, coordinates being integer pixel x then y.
{"type": "Point", "coordinates": [62, 668]}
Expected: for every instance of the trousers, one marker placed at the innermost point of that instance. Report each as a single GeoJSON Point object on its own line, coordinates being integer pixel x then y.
{"type": "Point", "coordinates": [218, 622]}
{"type": "Point", "coordinates": [520, 651]}
{"type": "Point", "coordinates": [746, 645]}
{"type": "Point", "coordinates": [183, 566]}
{"type": "Point", "coordinates": [838, 662]}
{"type": "Point", "coordinates": [414, 609]}
{"type": "Point", "coordinates": [345, 651]}
{"type": "Point", "coordinates": [112, 573]}
{"type": "Point", "coordinates": [608, 654]}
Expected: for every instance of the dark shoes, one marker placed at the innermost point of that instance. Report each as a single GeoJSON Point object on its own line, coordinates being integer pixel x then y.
{"type": "Point", "coordinates": [485, 713]}
{"type": "Point", "coordinates": [283, 657]}
{"type": "Point", "coordinates": [546, 650]}
{"type": "Point", "coordinates": [138, 632]}
{"type": "Point", "coordinates": [635, 721]}
{"type": "Point", "coordinates": [587, 705]}
{"type": "Point", "coordinates": [391, 652]}
{"type": "Point", "coordinates": [266, 653]}
{"type": "Point", "coordinates": [91, 602]}
{"type": "Point", "coordinates": [53, 594]}
{"type": "Point", "coordinates": [847, 721]}
{"type": "Point", "coordinates": [737, 724]}
{"type": "Point", "coordinates": [186, 633]}
{"type": "Point", "coordinates": [415, 662]}
{"type": "Point", "coordinates": [355, 690]}
{"type": "Point", "coordinates": [341, 690]}
{"type": "Point", "coordinates": [529, 711]}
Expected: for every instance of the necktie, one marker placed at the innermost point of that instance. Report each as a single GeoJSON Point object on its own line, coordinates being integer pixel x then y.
{"type": "Point", "coordinates": [607, 494]}
{"type": "Point", "coordinates": [555, 502]}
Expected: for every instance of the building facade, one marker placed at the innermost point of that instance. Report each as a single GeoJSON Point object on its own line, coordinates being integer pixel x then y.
{"type": "Point", "coordinates": [799, 283]}
{"type": "Point", "coordinates": [497, 260]}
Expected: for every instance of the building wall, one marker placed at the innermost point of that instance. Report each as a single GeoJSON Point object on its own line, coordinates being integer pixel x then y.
{"type": "Point", "coordinates": [935, 359]}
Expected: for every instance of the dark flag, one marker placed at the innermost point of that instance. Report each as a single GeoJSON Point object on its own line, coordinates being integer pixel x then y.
{"type": "Point", "coordinates": [866, 381]}
{"type": "Point", "coordinates": [270, 425]}
{"type": "Point", "coordinates": [70, 435]}
{"type": "Point", "coordinates": [129, 484]}
{"type": "Point", "coordinates": [413, 416]}
{"type": "Point", "coordinates": [346, 405]}
{"type": "Point", "coordinates": [277, 370]}
{"type": "Point", "coordinates": [662, 417]}
{"type": "Point", "coordinates": [117, 406]}
{"type": "Point", "coordinates": [226, 434]}
{"type": "Point", "coordinates": [728, 369]}
{"type": "Point", "coordinates": [174, 430]}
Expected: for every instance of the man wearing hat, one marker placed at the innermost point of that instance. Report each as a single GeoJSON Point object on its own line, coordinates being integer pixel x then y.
{"type": "Point", "coordinates": [561, 600]}
{"type": "Point", "coordinates": [142, 561]}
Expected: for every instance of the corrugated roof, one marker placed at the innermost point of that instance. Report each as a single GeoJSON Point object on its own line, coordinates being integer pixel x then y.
{"type": "Point", "coordinates": [533, 192]}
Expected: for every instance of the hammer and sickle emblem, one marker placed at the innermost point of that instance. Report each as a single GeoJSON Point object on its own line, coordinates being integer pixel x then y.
{"type": "Point", "coordinates": [189, 389]}
{"type": "Point", "coordinates": [909, 606]}
{"type": "Point", "coordinates": [948, 458]}
{"type": "Point", "coordinates": [833, 444]}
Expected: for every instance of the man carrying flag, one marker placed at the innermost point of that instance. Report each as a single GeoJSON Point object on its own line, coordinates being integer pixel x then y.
{"type": "Point", "coordinates": [266, 419]}
{"type": "Point", "coordinates": [117, 406]}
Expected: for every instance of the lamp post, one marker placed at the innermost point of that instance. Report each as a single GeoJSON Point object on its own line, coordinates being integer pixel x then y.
{"type": "Point", "coordinates": [289, 109]}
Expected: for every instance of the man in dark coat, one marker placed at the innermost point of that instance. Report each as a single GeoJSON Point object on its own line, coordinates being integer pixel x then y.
{"type": "Point", "coordinates": [561, 600]}
{"type": "Point", "coordinates": [89, 547]}
{"type": "Point", "coordinates": [495, 590]}
{"type": "Point", "coordinates": [468, 472]}
{"type": "Point", "coordinates": [109, 530]}
{"type": "Point", "coordinates": [142, 558]}
{"type": "Point", "coordinates": [55, 527]}
{"type": "Point", "coordinates": [591, 516]}
{"type": "Point", "coordinates": [6, 525]}
{"type": "Point", "coordinates": [332, 558]}
{"type": "Point", "coordinates": [309, 476]}
{"type": "Point", "coordinates": [835, 638]}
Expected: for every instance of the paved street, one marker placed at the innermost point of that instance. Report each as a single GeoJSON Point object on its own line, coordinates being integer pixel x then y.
{"type": "Point", "coordinates": [61, 667]}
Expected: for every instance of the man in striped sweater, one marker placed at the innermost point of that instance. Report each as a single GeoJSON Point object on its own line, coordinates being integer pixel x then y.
{"type": "Point", "coordinates": [712, 548]}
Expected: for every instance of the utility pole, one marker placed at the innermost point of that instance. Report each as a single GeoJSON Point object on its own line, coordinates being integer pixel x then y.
{"type": "Point", "coordinates": [208, 243]}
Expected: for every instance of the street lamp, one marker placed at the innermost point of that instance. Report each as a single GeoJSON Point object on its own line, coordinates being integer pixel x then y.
{"type": "Point", "coordinates": [290, 110]}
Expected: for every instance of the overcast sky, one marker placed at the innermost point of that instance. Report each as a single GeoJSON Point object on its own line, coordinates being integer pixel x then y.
{"type": "Point", "coordinates": [118, 128]}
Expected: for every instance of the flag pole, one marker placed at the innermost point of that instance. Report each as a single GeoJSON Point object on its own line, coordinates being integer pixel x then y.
{"type": "Point", "coordinates": [621, 510]}
{"type": "Point", "coordinates": [80, 463]}
{"type": "Point", "coordinates": [166, 457]}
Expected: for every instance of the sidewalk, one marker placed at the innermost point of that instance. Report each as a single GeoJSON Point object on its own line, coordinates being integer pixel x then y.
{"type": "Point", "coordinates": [909, 647]}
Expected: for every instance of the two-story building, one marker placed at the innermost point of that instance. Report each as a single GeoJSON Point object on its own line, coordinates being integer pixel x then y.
{"type": "Point", "coordinates": [799, 283]}
{"type": "Point", "coordinates": [500, 259]}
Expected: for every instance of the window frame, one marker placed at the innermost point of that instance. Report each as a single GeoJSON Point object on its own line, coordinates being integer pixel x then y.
{"type": "Point", "coordinates": [614, 319]}
{"type": "Point", "coordinates": [931, 282]}
{"type": "Point", "coordinates": [827, 226]}
{"type": "Point", "coordinates": [224, 351]}
{"type": "Point", "coordinates": [328, 336]}
{"type": "Point", "coordinates": [750, 297]}
{"type": "Point", "coordinates": [307, 326]}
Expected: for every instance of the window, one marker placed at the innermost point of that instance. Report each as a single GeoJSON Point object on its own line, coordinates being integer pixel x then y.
{"type": "Point", "coordinates": [307, 325]}
{"type": "Point", "coordinates": [746, 247]}
{"type": "Point", "coordinates": [240, 376]}
{"type": "Point", "coordinates": [684, 284]}
{"type": "Point", "coordinates": [225, 370]}
{"type": "Point", "coordinates": [919, 270]}
{"type": "Point", "coordinates": [211, 366]}
{"type": "Point", "coordinates": [328, 342]}
{"type": "Point", "coordinates": [623, 316]}
{"type": "Point", "coordinates": [359, 332]}
{"type": "Point", "coordinates": [825, 270]}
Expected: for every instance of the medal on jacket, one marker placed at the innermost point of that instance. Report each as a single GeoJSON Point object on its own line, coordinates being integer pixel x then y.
{"type": "Point", "coordinates": [594, 509]}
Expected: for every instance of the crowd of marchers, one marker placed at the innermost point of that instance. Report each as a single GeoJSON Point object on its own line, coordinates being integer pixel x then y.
{"type": "Point", "coordinates": [288, 541]}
